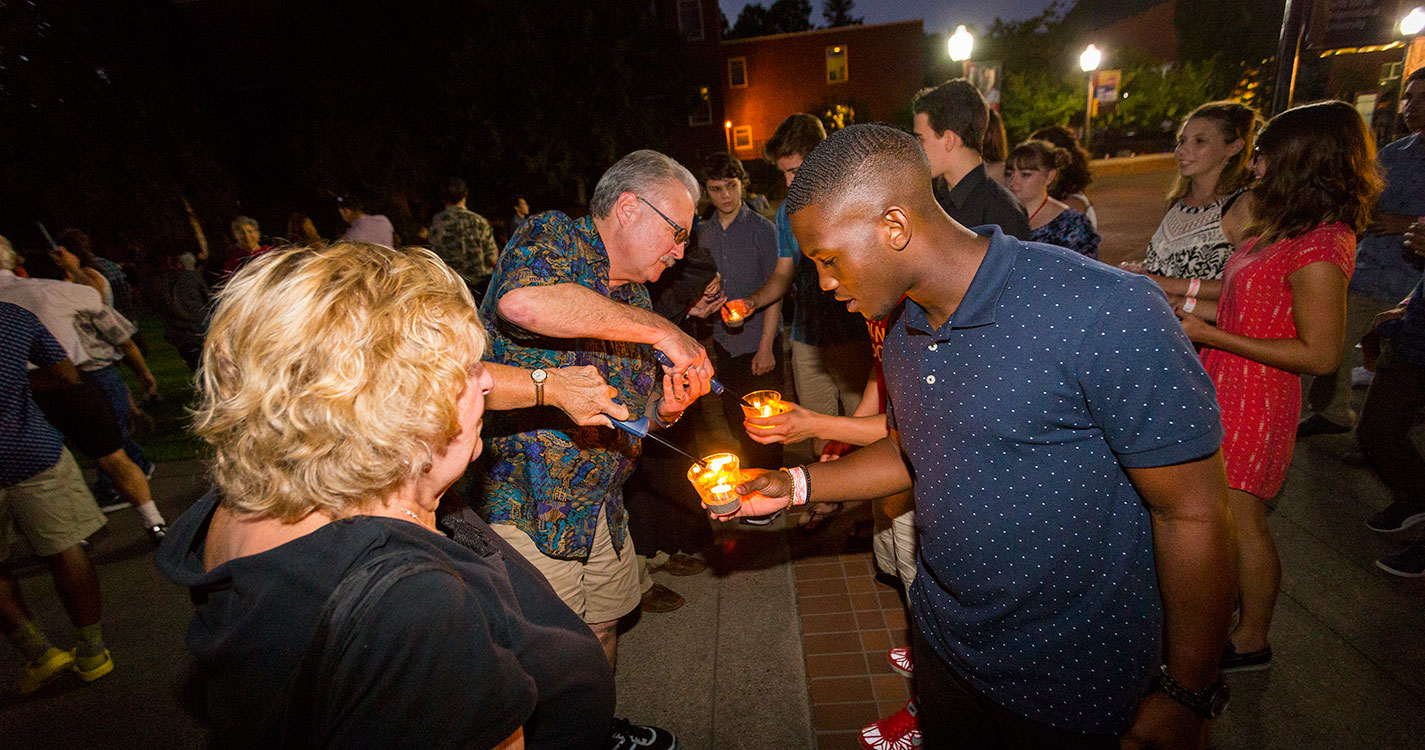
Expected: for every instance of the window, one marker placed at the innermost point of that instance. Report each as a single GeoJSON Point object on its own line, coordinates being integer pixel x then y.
{"type": "Point", "coordinates": [702, 107]}
{"type": "Point", "coordinates": [742, 138]}
{"type": "Point", "coordinates": [690, 19]}
{"type": "Point", "coordinates": [836, 68]}
{"type": "Point", "coordinates": [737, 73]}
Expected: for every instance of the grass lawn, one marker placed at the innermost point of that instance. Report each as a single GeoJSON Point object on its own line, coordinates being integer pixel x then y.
{"type": "Point", "coordinates": [170, 438]}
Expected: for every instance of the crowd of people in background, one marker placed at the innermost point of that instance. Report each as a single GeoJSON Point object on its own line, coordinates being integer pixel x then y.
{"type": "Point", "coordinates": [909, 295]}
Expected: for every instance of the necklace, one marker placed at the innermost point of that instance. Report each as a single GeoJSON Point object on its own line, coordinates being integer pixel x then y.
{"type": "Point", "coordinates": [1037, 210]}
{"type": "Point", "coordinates": [413, 516]}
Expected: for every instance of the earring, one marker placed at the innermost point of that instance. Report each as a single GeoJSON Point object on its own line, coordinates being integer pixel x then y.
{"type": "Point", "coordinates": [430, 459]}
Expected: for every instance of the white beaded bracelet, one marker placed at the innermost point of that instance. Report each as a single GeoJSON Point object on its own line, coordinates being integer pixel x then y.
{"type": "Point", "coordinates": [799, 484]}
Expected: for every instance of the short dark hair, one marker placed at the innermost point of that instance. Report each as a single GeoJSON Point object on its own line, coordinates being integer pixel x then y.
{"type": "Point", "coordinates": [1075, 177]}
{"type": "Point", "coordinates": [1037, 154]}
{"type": "Point", "coordinates": [722, 166]}
{"type": "Point", "coordinates": [454, 190]}
{"type": "Point", "coordinates": [77, 242]}
{"type": "Point", "coordinates": [854, 156]}
{"type": "Point", "coordinates": [351, 202]}
{"type": "Point", "coordinates": [798, 134]}
{"type": "Point", "coordinates": [955, 105]}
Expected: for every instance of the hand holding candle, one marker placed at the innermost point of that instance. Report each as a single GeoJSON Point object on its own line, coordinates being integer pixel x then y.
{"type": "Point", "coordinates": [763, 404]}
{"type": "Point", "coordinates": [736, 312]}
{"type": "Point", "coordinates": [715, 480]}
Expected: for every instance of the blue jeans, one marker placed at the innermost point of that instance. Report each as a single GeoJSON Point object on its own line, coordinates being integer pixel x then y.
{"type": "Point", "coordinates": [112, 384]}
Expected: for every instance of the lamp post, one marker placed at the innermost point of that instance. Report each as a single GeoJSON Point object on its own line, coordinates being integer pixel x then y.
{"type": "Point", "coordinates": [1089, 61]}
{"type": "Point", "coordinates": [961, 44]}
{"type": "Point", "coordinates": [1412, 24]}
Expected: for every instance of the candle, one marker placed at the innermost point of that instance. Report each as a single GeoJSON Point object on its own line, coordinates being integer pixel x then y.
{"type": "Point", "coordinates": [763, 404]}
{"type": "Point", "coordinates": [714, 479]}
{"type": "Point", "coordinates": [732, 316]}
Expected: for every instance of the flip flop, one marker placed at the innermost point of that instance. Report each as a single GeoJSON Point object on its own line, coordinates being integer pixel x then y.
{"type": "Point", "coordinates": [816, 517]}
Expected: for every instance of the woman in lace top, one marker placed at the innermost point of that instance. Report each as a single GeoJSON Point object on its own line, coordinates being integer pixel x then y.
{"type": "Point", "coordinates": [1190, 249]}
{"type": "Point", "coordinates": [1029, 170]}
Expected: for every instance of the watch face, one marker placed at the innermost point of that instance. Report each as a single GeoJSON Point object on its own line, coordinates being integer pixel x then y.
{"type": "Point", "coordinates": [539, 376]}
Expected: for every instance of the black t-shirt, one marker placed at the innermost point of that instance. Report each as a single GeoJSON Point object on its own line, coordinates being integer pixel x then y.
{"type": "Point", "coordinates": [442, 661]}
{"type": "Point", "coordinates": [977, 200]}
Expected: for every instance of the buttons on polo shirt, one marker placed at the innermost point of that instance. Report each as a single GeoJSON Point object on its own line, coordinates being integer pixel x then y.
{"type": "Point", "coordinates": [930, 380]}
{"type": "Point", "coordinates": [933, 347]}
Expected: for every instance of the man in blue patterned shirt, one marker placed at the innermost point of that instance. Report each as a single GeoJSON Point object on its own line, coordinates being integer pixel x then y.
{"type": "Point", "coordinates": [43, 497]}
{"type": "Point", "coordinates": [569, 292]}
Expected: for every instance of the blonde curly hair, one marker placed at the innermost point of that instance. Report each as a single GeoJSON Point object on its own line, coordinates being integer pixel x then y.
{"type": "Point", "coordinates": [327, 372]}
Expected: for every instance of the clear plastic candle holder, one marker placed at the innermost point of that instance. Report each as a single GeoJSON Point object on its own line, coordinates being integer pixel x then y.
{"type": "Point", "coordinates": [763, 404]}
{"type": "Point", "coordinates": [732, 316]}
{"type": "Point", "coordinates": [715, 479]}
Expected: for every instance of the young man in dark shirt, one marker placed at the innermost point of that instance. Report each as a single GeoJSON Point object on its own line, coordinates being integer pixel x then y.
{"type": "Point", "coordinates": [950, 122]}
{"type": "Point", "coordinates": [1074, 578]}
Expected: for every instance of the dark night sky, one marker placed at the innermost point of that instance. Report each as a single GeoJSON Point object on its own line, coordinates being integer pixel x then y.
{"type": "Point", "coordinates": [939, 15]}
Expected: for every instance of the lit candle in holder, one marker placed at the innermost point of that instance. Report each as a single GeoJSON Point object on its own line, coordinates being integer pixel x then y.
{"type": "Point", "coordinates": [733, 315]}
{"type": "Point", "coordinates": [715, 479]}
{"type": "Point", "coordinates": [764, 404]}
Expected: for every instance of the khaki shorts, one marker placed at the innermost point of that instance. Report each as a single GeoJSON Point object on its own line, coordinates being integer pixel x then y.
{"type": "Point", "coordinates": [601, 590]}
{"type": "Point", "coordinates": [52, 510]}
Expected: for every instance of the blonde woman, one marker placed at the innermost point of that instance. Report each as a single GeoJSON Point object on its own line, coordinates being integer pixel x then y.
{"type": "Point", "coordinates": [342, 392]}
{"type": "Point", "coordinates": [1189, 251]}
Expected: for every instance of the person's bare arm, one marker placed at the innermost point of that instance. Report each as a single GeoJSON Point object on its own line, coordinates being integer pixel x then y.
{"type": "Point", "coordinates": [1318, 293]}
{"type": "Point", "coordinates": [579, 392]}
{"type": "Point", "coordinates": [134, 359]}
{"type": "Point", "coordinates": [1197, 567]}
{"type": "Point", "coordinates": [799, 423]}
{"type": "Point", "coordinates": [772, 290]}
{"type": "Point", "coordinates": [1207, 289]}
{"type": "Point", "coordinates": [877, 470]}
{"type": "Point", "coordinates": [766, 357]}
{"type": "Point", "coordinates": [1384, 223]}
{"type": "Point", "coordinates": [571, 311]}
{"type": "Point", "coordinates": [61, 374]}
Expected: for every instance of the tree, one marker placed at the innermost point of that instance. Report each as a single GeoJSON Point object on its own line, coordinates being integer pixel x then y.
{"type": "Point", "coordinates": [838, 13]}
{"type": "Point", "coordinates": [782, 17]}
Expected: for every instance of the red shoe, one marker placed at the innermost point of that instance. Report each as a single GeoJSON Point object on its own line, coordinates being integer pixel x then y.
{"type": "Point", "coordinates": [899, 731]}
{"type": "Point", "coordinates": [900, 662]}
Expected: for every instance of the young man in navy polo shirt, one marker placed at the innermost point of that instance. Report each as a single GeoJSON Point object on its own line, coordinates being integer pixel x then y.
{"type": "Point", "coordinates": [1062, 440]}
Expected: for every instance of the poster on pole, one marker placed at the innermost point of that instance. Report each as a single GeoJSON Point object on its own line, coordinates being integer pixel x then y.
{"type": "Point", "coordinates": [1105, 86]}
{"type": "Point", "coordinates": [985, 76]}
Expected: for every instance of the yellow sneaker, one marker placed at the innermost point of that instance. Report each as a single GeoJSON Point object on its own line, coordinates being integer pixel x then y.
{"type": "Point", "coordinates": [39, 673]}
{"type": "Point", "coordinates": [91, 668]}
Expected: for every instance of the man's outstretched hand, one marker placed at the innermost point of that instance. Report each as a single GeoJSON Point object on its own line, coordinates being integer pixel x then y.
{"type": "Point", "coordinates": [764, 492]}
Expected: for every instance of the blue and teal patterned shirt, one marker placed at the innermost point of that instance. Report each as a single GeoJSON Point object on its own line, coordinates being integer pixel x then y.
{"type": "Point", "coordinates": [549, 477]}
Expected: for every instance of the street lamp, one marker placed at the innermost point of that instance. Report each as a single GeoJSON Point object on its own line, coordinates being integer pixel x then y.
{"type": "Point", "coordinates": [961, 44]}
{"type": "Point", "coordinates": [1088, 63]}
{"type": "Point", "coordinates": [1412, 24]}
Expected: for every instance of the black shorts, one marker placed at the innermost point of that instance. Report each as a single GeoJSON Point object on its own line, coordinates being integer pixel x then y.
{"type": "Point", "coordinates": [82, 414]}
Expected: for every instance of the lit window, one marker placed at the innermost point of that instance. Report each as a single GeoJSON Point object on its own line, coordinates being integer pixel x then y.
{"type": "Point", "coordinates": [742, 138]}
{"type": "Point", "coordinates": [737, 73]}
{"type": "Point", "coordinates": [690, 19]}
{"type": "Point", "coordinates": [702, 107]}
{"type": "Point", "coordinates": [836, 67]}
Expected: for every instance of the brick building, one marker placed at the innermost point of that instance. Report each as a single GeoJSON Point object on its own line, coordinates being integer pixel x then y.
{"type": "Point", "coordinates": [861, 73]}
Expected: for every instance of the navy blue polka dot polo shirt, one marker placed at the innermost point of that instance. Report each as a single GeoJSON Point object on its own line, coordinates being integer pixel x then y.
{"type": "Point", "coordinates": [28, 444]}
{"type": "Point", "coordinates": [1036, 579]}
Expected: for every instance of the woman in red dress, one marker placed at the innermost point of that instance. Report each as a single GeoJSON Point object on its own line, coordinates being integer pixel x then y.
{"type": "Point", "coordinates": [1281, 315]}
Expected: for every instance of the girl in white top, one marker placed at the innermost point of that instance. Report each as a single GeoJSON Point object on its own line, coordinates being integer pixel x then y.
{"type": "Point", "coordinates": [1190, 249]}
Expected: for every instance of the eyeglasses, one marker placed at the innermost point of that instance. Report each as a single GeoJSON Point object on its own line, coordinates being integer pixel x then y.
{"type": "Point", "coordinates": [680, 235]}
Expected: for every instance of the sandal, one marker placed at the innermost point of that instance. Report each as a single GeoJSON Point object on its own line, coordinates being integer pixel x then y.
{"type": "Point", "coordinates": [818, 515]}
